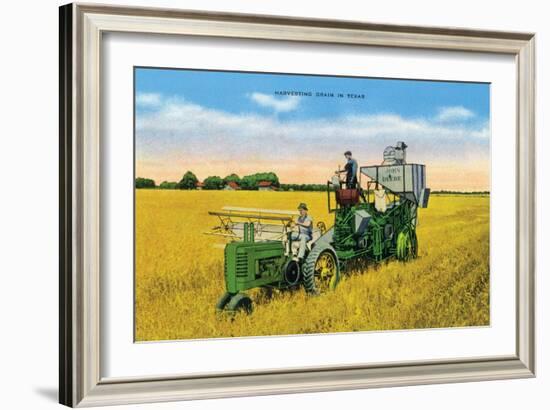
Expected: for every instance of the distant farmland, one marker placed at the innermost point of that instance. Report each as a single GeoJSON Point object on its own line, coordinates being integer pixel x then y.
{"type": "Point", "coordinates": [179, 273]}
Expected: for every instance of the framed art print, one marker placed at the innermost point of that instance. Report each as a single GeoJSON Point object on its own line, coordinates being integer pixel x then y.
{"type": "Point", "coordinates": [233, 209]}
{"type": "Point", "coordinates": [259, 205]}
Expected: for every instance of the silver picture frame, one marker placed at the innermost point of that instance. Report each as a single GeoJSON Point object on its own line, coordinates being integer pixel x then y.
{"type": "Point", "coordinates": [81, 29]}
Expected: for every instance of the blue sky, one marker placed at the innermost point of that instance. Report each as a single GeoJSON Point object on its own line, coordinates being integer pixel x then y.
{"type": "Point", "coordinates": [212, 121]}
{"type": "Point", "coordinates": [228, 91]}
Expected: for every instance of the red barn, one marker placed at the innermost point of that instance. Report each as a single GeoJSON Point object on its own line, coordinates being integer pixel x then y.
{"type": "Point", "coordinates": [232, 186]}
{"type": "Point", "coordinates": [265, 186]}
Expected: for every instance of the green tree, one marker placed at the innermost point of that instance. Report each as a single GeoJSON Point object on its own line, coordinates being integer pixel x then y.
{"type": "Point", "coordinates": [303, 187]}
{"type": "Point", "coordinates": [251, 181]}
{"type": "Point", "coordinates": [232, 177]}
{"type": "Point", "coordinates": [188, 181]}
{"type": "Point", "coordinates": [267, 176]}
{"type": "Point", "coordinates": [168, 185]}
{"type": "Point", "coordinates": [213, 182]}
{"type": "Point", "coordinates": [144, 183]}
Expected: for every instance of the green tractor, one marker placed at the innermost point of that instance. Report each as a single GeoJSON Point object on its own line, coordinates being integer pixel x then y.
{"type": "Point", "coordinates": [373, 223]}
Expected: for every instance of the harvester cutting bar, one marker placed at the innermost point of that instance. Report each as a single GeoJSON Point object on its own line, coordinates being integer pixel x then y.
{"type": "Point", "coordinates": [227, 235]}
{"type": "Point", "coordinates": [251, 216]}
{"type": "Point", "coordinates": [261, 210]}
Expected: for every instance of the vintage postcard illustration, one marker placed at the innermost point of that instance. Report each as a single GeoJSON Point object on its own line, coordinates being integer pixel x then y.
{"type": "Point", "coordinates": [277, 204]}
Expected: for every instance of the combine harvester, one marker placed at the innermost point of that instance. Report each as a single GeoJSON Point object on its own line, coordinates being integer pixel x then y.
{"type": "Point", "coordinates": [374, 224]}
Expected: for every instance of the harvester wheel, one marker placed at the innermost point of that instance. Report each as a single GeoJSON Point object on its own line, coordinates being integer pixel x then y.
{"type": "Point", "coordinates": [240, 303]}
{"type": "Point", "coordinates": [407, 245]}
{"type": "Point", "coordinates": [321, 271]}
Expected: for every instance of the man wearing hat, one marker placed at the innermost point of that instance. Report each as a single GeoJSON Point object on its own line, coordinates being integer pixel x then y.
{"type": "Point", "coordinates": [351, 171]}
{"type": "Point", "coordinates": [305, 230]}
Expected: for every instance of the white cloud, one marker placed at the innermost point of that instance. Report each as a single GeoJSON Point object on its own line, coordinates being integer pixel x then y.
{"type": "Point", "coordinates": [148, 99]}
{"type": "Point", "coordinates": [182, 129]}
{"type": "Point", "coordinates": [456, 113]}
{"type": "Point", "coordinates": [285, 104]}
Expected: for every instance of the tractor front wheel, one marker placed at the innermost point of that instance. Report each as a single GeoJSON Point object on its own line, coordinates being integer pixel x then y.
{"type": "Point", "coordinates": [223, 301]}
{"type": "Point", "coordinates": [321, 271]}
{"type": "Point", "coordinates": [240, 303]}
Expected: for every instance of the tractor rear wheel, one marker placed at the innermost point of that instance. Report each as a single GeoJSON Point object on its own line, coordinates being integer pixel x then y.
{"type": "Point", "coordinates": [240, 303]}
{"type": "Point", "coordinates": [321, 271]}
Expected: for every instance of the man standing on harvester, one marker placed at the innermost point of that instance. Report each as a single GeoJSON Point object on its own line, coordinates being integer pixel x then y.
{"type": "Point", "coordinates": [305, 230]}
{"type": "Point", "coordinates": [351, 171]}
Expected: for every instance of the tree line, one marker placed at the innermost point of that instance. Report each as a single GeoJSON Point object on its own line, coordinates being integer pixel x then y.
{"type": "Point", "coordinates": [248, 182]}
{"type": "Point", "coordinates": [251, 182]}
{"type": "Point", "coordinates": [189, 181]}
{"type": "Point", "coordinates": [303, 187]}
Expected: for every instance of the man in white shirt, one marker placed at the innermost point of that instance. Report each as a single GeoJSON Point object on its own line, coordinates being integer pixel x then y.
{"type": "Point", "coordinates": [305, 230]}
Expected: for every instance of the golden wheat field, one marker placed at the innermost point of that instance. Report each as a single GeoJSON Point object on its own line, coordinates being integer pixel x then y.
{"type": "Point", "coordinates": [179, 273]}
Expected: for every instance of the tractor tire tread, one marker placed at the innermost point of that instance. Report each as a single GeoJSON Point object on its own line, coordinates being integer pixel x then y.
{"type": "Point", "coordinates": [308, 268]}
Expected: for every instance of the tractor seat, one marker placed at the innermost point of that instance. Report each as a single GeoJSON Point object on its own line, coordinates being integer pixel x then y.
{"type": "Point", "coordinates": [316, 234]}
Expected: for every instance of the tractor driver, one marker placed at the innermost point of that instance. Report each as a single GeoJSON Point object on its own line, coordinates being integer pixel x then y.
{"type": "Point", "coordinates": [305, 230]}
{"type": "Point", "coordinates": [351, 171]}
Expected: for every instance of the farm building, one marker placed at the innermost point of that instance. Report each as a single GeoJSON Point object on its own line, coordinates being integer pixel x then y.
{"type": "Point", "coordinates": [265, 186]}
{"type": "Point", "coordinates": [232, 186]}
{"type": "Point", "coordinates": [199, 185]}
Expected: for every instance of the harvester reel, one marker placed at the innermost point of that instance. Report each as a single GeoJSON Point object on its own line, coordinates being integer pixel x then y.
{"type": "Point", "coordinates": [321, 271]}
